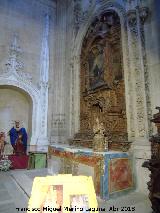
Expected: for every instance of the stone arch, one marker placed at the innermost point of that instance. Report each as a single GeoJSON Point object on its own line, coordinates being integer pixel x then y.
{"type": "Point", "coordinates": [104, 7]}
{"type": "Point", "coordinates": [33, 93]}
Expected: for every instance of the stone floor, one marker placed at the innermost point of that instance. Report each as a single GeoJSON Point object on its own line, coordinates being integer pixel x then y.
{"type": "Point", "coordinates": [15, 190]}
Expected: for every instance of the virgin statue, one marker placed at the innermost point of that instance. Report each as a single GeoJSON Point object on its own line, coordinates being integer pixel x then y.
{"type": "Point", "coordinates": [18, 138]}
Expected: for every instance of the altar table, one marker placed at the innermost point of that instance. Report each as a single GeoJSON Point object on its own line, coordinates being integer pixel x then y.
{"type": "Point", "coordinates": [112, 171]}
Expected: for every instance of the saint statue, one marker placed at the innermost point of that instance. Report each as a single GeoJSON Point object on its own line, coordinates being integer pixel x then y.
{"type": "Point", "coordinates": [18, 139]}
{"type": "Point", "coordinates": [2, 143]}
{"type": "Point", "coordinates": [99, 138]}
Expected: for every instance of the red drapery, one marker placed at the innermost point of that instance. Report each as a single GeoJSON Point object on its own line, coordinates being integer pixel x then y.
{"type": "Point", "coordinates": [19, 162]}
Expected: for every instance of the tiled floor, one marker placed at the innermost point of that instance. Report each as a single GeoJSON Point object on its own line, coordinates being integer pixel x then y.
{"type": "Point", "coordinates": [11, 195]}
{"type": "Point", "coordinates": [15, 189]}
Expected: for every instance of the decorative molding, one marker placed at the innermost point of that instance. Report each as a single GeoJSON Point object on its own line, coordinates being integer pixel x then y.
{"type": "Point", "coordinates": [136, 18]}
{"type": "Point", "coordinates": [100, 9]}
{"type": "Point", "coordinates": [44, 73]}
{"type": "Point", "coordinates": [13, 74]}
{"type": "Point", "coordinates": [32, 91]}
{"type": "Point", "coordinates": [44, 66]}
{"type": "Point", "coordinates": [143, 14]}
{"type": "Point", "coordinates": [80, 15]}
{"type": "Point", "coordinates": [14, 66]}
{"type": "Point", "coordinates": [136, 74]}
{"type": "Point", "coordinates": [132, 20]}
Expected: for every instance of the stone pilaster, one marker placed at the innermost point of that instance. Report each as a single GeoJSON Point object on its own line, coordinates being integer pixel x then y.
{"type": "Point", "coordinates": [44, 75]}
{"type": "Point", "coordinates": [136, 18]}
{"type": "Point", "coordinates": [59, 117]}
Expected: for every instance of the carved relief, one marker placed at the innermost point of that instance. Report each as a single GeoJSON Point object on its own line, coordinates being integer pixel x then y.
{"type": "Point", "coordinates": [136, 18]}
{"type": "Point", "coordinates": [14, 66]}
{"type": "Point", "coordinates": [132, 20]}
{"type": "Point", "coordinates": [143, 14]}
{"type": "Point", "coordinates": [81, 14]}
{"type": "Point", "coordinates": [58, 124]}
{"type": "Point", "coordinates": [13, 74]}
{"type": "Point", "coordinates": [44, 75]}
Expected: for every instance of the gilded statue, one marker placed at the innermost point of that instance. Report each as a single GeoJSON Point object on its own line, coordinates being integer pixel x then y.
{"type": "Point", "coordinates": [99, 138]}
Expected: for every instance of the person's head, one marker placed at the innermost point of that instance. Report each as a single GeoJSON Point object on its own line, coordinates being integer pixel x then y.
{"type": "Point", "coordinates": [17, 124]}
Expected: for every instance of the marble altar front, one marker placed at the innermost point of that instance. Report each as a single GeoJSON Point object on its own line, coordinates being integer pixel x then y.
{"type": "Point", "coordinates": [111, 171]}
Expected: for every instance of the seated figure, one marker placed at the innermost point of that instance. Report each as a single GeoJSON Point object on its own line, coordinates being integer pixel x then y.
{"type": "Point", "coordinates": [18, 138]}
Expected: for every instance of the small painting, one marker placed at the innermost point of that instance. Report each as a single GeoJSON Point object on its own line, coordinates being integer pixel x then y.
{"type": "Point", "coordinates": [96, 66]}
{"type": "Point", "coordinates": [120, 174]}
{"type": "Point", "coordinates": [79, 203]}
{"type": "Point", "coordinates": [53, 198]}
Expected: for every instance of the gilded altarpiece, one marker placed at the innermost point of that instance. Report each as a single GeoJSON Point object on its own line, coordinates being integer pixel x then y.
{"type": "Point", "coordinates": [102, 92]}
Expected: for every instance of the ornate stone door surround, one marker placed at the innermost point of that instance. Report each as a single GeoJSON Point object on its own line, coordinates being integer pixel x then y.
{"type": "Point", "coordinates": [14, 74]}
{"type": "Point", "coordinates": [13, 79]}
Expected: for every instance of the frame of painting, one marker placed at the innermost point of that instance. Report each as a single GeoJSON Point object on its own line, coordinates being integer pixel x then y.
{"type": "Point", "coordinates": [120, 175]}
{"type": "Point", "coordinates": [63, 193]}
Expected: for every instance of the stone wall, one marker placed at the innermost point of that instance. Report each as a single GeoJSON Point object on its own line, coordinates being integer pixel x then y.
{"type": "Point", "coordinates": [24, 18]}
{"type": "Point", "coordinates": [26, 53]}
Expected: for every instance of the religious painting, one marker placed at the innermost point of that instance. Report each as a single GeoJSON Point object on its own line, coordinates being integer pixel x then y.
{"type": "Point", "coordinates": [96, 67]}
{"type": "Point", "coordinates": [53, 198]}
{"type": "Point", "coordinates": [80, 202]}
{"type": "Point", "coordinates": [120, 174]}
